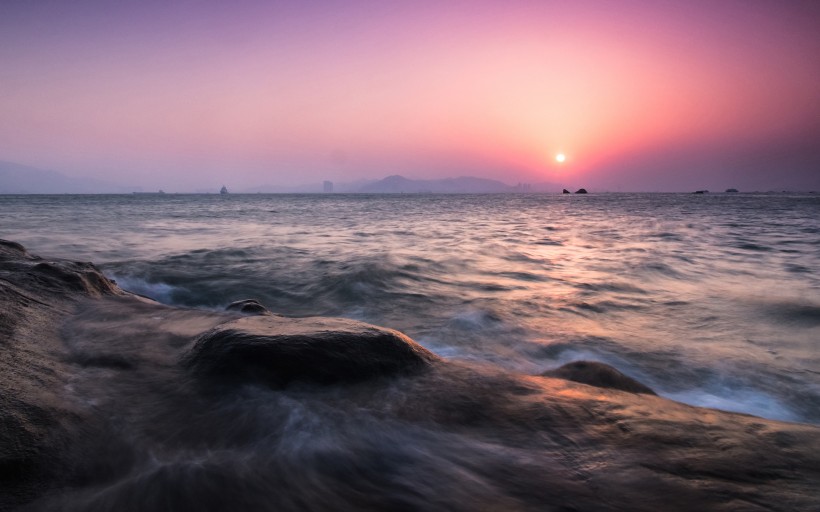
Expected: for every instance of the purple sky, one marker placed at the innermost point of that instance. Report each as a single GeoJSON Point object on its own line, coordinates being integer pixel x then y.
{"type": "Point", "coordinates": [639, 95]}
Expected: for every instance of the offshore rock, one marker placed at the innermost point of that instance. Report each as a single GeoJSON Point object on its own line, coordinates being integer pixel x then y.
{"type": "Point", "coordinates": [599, 375]}
{"type": "Point", "coordinates": [278, 350]}
{"type": "Point", "coordinates": [581, 191]}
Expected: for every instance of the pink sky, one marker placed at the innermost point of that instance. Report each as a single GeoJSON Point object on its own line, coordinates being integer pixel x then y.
{"type": "Point", "coordinates": [639, 95]}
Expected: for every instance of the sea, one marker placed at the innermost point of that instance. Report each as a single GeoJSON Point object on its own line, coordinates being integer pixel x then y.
{"type": "Point", "coordinates": [709, 299]}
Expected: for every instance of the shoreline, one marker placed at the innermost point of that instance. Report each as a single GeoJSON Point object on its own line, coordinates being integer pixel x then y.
{"type": "Point", "coordinates": [100, 384]}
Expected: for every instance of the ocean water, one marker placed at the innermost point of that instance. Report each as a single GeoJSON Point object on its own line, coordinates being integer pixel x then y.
{"type": "Point", "coordinates": [711, 300]}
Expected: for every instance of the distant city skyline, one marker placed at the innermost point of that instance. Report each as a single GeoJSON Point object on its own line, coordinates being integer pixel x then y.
{"type": "Point", "coordinates": [634, 95]}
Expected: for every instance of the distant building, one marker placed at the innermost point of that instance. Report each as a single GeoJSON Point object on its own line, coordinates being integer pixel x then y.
{"type": "Point", "coordinates": [328, 187]}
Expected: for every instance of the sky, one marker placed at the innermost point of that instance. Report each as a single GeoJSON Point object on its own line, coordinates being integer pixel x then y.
{"type": "Point", "coordinates": [638, 95]}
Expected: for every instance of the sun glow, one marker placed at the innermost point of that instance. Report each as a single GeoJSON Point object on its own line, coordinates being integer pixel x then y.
{"type": "Point", "coordinates": [560, 158]}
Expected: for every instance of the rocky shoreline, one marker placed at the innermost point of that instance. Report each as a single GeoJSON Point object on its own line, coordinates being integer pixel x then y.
{"type": "Point", "coordinates": [111, 401]}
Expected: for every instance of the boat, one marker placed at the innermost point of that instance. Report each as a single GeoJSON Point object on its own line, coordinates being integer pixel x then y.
{"type": "Point", "coordinates": [224, 190]}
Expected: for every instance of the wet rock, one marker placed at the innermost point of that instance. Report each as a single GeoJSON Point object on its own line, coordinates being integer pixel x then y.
{"type": "Point", "coordinates": [249, 307]}
{"type": "Point", "coordinates": [59, 277]}
{"type": "Point", "coordinates": [96, 413]}
{"type": "Point", "coordinates": [74, 277]}
{"type": "Point", "coordinates": [278, 350]}
{"type": "Point", "coordinates": [12, 247]}
{"type": "Point", "coordinates": [599, 375]}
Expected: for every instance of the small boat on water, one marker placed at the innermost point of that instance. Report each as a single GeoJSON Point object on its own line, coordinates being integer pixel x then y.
{"type": "Point", "coordinates": [224, 190]}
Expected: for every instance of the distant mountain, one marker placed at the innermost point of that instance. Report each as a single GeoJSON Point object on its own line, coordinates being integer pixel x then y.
{"type": "Point", "coordinates": [397, 185]}
{"type": "Point", "coordinates": [22, 179]}
{"type": "Point", "coordinates": [463, 185]}
{"type": "Point", "coordinates": [310, 188]}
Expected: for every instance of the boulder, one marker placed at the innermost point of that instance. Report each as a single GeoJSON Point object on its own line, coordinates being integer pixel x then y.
{"type": "Point", "coordinates": [249, 307]}
{"type": "Point", "coordinates": [599, 375]}
{"type": "Point", "coordinates": [581, 191]}
{"type": "Point", "coordinates": [277, 350]}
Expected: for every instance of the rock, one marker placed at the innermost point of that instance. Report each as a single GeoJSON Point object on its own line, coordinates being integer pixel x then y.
{"type": "Point", "coordinates": [102, 408]}
{"type": "Point", "coordinates": [565, 191]}
{"type": "Point", "coordinates": [581, 191]}
{"type": "Point", "coordinates": [599, 375]}
{"type": "Point", "coordinates": [79, 277]}
{"type": "Point", "coordinates": [59, 277]}
{"type": "Point", "coordinates": [278, 350]}
{"type": "Point", "coordinates": [14, 247]}
{"type": "Point", "coordinates": [249, 307]}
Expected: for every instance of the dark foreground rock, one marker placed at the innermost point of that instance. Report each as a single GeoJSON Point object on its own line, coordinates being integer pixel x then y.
{"type": "Point", "coordinates": [102, 407]}
{"type": "Point", "coordinates": [278, 350]}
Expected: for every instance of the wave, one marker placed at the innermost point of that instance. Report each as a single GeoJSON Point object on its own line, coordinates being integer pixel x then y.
{"type": "Point", "coordinates": [650, 283]}
{"type": "Point", "coordinates": [160, 292]}
{"type": "Point", "coordinates": [747, 401]}
{"type": "Point", "coordinates": [793, 312]}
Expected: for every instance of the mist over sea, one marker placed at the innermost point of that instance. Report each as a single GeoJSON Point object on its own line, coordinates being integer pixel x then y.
{"type": "Point", "coordinates": [712, 300]}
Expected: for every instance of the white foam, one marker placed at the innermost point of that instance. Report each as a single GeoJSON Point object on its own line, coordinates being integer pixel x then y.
{"type": "Point", "coordinates": [748, 401]}
{"type": "Point", "coordinates": [160, 292]}
{"type": "Point", "coordinates": [475, 320]}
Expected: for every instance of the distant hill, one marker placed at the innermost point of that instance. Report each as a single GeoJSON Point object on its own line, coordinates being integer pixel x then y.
{"type": "Point", "coordinates": [309, 188]}
{"type": "Point", "coordinates": [22, 179]}
{"type": "Point", "coordinates": [400, 185]}
{"type": "Point", "coordinates": [463, 185]}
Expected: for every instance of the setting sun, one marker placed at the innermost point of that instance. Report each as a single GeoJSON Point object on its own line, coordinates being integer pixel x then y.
{"type": "Point", "coordinates": [560, 158]}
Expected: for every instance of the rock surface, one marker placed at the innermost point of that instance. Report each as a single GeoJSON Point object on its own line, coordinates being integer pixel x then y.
{"type": "Point", "coordinates": [599, 375]}
{"type": "Point", "coordinates": [102, 408]}
{"type": "Point", "coordinates": [279, 350]}
{"type": "Point", "coordinates": [249, 307]}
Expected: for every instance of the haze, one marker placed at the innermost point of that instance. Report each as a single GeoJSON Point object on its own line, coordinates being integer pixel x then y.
{"type": "Point", "coordinates": [639, 95]}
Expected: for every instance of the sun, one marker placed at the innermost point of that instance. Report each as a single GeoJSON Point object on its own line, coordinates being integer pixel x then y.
{"type": "Point", "coordinates": [560, 158]}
